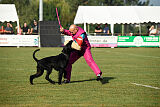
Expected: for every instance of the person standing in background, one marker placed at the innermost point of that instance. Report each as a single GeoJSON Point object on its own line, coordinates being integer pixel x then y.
{"type": "Point", "coordinates": [34, 29]}
{"type": "Point", "coordinates": [9, 29]}
{"type": "Point", "coordinates": [98, 30]}
{"type": "Point", "coordinates": [153, 31]}
{"type": "Point", "coordinates": [106, 30]}
{"type": "Point", "coordinates": [25, 29]}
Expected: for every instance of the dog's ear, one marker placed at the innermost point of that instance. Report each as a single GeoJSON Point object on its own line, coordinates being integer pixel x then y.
{"type": "Point", "coordinates": [75, 46]}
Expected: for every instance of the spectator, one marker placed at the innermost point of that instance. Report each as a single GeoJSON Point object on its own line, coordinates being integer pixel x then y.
{"type": "Point", "coordinates": [158, 32]}
{"type": "Point", "coordinates": [106, 30]}
{"type": "Point", "coordinates": [130, 34]}
{"type": "Point", "coordinates": [19, 31]}
{"type": "Point", "coordinates": [9, 29]}
{"type": "Point", "coordinates": [98, 29]}
{"type": "Point", "coordinates": [1, 30]}
{"type": "Point", "coordinates": [25, 29]}
{"type": "Point", "coordinates": [153, 31]}
{"type": "Point", "coordinates": [34, 29]}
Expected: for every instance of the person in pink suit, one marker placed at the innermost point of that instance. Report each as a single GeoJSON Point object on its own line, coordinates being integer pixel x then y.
{"type": "Point", "coordinates": [80, 37]}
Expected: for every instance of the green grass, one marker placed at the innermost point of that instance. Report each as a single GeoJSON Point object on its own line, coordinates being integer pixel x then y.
{"type": "Point", "coordinates": [120, 66]}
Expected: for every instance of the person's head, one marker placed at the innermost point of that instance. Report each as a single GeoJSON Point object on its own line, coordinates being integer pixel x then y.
{"type": "Point", "coordinates": [35, 23]}
{"type": "Point", "coordinates": [8, 24]}
{"type": "Point", "coordinates": [105, 25]}
{"type": "Point", "coordinates": [25, 24]}
{"type": "Point", "coordinates": [152, 27]}
{"type": "Point", "coordinates": [99, 25]}
{"type": "Point", "coordinates": [73, 29]}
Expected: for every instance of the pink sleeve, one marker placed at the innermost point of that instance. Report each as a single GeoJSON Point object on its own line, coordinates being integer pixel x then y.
{"type": "Point", "coordinates": [66, 32]}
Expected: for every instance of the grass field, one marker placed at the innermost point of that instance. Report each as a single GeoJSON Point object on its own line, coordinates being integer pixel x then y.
{"type": "Point", "coordinates": [123, 69]}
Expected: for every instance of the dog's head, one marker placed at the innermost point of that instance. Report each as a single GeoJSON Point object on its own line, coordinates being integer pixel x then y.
{"type": "Point", "coordinates": [70, 46]}
{"type": "Point", "coordinates": [74, 44]}
{"type": "Point", "coordinates": [67, 49]}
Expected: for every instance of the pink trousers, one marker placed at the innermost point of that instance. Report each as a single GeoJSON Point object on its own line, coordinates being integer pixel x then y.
{"type": "Point", "coordinates": [87, 56]}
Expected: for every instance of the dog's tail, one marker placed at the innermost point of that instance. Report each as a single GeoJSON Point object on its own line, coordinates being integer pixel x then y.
{"type": "Point", "coordinates": [34, 55]}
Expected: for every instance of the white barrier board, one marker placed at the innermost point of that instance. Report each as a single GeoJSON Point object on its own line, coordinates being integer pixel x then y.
{"type": "Point", "coordinates": [19, 40]}
{"type": "Point", "coordinates": [98, 41]}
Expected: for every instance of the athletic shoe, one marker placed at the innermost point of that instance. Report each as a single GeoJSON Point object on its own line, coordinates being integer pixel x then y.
{"type": "Point", "coordinates": [66, 81]}
{"type": "Point", "coordinates": [99, 77]}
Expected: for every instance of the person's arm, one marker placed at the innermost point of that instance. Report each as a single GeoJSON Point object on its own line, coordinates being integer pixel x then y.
{"type": "Point", "coordinates": [64, 31]}
{"type": "Point", "coordinates": [31, 31]}
{"type": "Point", "coordinates": [153, 32]}
{"type": "Point", "coordinates": [108, 32]}
{"type": "Point", "coordinates": [95, 30]}
{"type": "Point", "coordinates": [98, 31]}
{"type": "Point", "coordinates": [7, 31]}
{"type": "Point", "coordinates": [28, 31]}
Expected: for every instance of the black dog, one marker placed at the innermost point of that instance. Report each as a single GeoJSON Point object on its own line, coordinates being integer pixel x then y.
{"type": "Point", "coordinates": [58, 62]}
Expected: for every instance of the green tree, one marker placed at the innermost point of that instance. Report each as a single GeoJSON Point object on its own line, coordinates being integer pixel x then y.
{"type": "Point", "coordinates": [27, 10]}
{"type": "Point", "coordinates": [49, 11]}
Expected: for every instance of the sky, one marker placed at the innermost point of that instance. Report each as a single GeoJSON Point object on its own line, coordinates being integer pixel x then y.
{"type": "Point", "coordinates": [153, 2]}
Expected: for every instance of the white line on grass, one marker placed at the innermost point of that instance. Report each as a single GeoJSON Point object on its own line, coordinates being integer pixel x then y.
{"type": "Point", "coordinates": [133, 54]}
{"type": "Point", "coordinates": [146, 86]}
{"type": "Point", "coordinates": [144, 56]}
{"type": "Point", "coordinates": [138, 55]}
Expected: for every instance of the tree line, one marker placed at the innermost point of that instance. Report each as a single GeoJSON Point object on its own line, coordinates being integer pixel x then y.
{"type": "Point", "coordinates": [28, 10]}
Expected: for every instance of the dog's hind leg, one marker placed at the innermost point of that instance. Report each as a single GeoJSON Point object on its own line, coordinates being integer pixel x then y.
{"type": "Point", "coordinates": [47, 76]}
{"type": "Point", "coordinates": [38, 74]}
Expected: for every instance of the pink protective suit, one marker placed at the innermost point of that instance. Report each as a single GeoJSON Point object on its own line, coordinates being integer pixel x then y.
{"type": "Point", "coordinates": [85, 52]}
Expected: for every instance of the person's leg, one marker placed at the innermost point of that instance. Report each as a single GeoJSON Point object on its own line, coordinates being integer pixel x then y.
{"type": "Point", "coordinates": [89, 59]}
{"type": "Point", "coordinates": [73, 57]}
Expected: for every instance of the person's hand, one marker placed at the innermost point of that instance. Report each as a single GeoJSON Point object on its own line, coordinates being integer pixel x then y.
{"type": "Point", "coordinates": [61, 29]}
{"type": "Point", "coordinates": [10, 25]}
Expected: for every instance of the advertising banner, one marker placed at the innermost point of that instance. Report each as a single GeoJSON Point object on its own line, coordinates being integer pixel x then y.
{"type": "Point", "coordinates": [98, 41]}
{"type": "Point", "coordinates": [138, 41]}
{"type": "Point", "coordinates": [19, 40]}
{"type": "Point", "coordinates": [95, 41]}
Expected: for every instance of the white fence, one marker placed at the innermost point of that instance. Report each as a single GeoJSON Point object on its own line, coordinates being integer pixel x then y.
{"type": "Point", "coordinates": [95, 41]}
{"type": "Point", "coordinates": [19, 40]}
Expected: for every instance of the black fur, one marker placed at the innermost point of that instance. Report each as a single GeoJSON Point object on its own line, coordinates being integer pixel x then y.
{"type": "Point", "coordinates": [58, 62]}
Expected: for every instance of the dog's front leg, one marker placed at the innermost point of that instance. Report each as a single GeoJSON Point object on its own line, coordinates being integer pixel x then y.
{"type": "Point", "coordinates": [61, 71]}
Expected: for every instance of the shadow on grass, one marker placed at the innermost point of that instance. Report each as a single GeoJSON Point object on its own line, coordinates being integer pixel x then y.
{"type": "Point", "coordinates": [104, 81]}
{"type": "Point", "coordinates": [42, 83]}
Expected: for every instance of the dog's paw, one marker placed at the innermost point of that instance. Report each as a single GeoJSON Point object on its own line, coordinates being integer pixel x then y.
{"type": "Point", "coordinates": [31, 82]}
{"type": "Point", "coordinates": [52, 82]}
{"type": "Point", "coordinates": [59, 83]}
